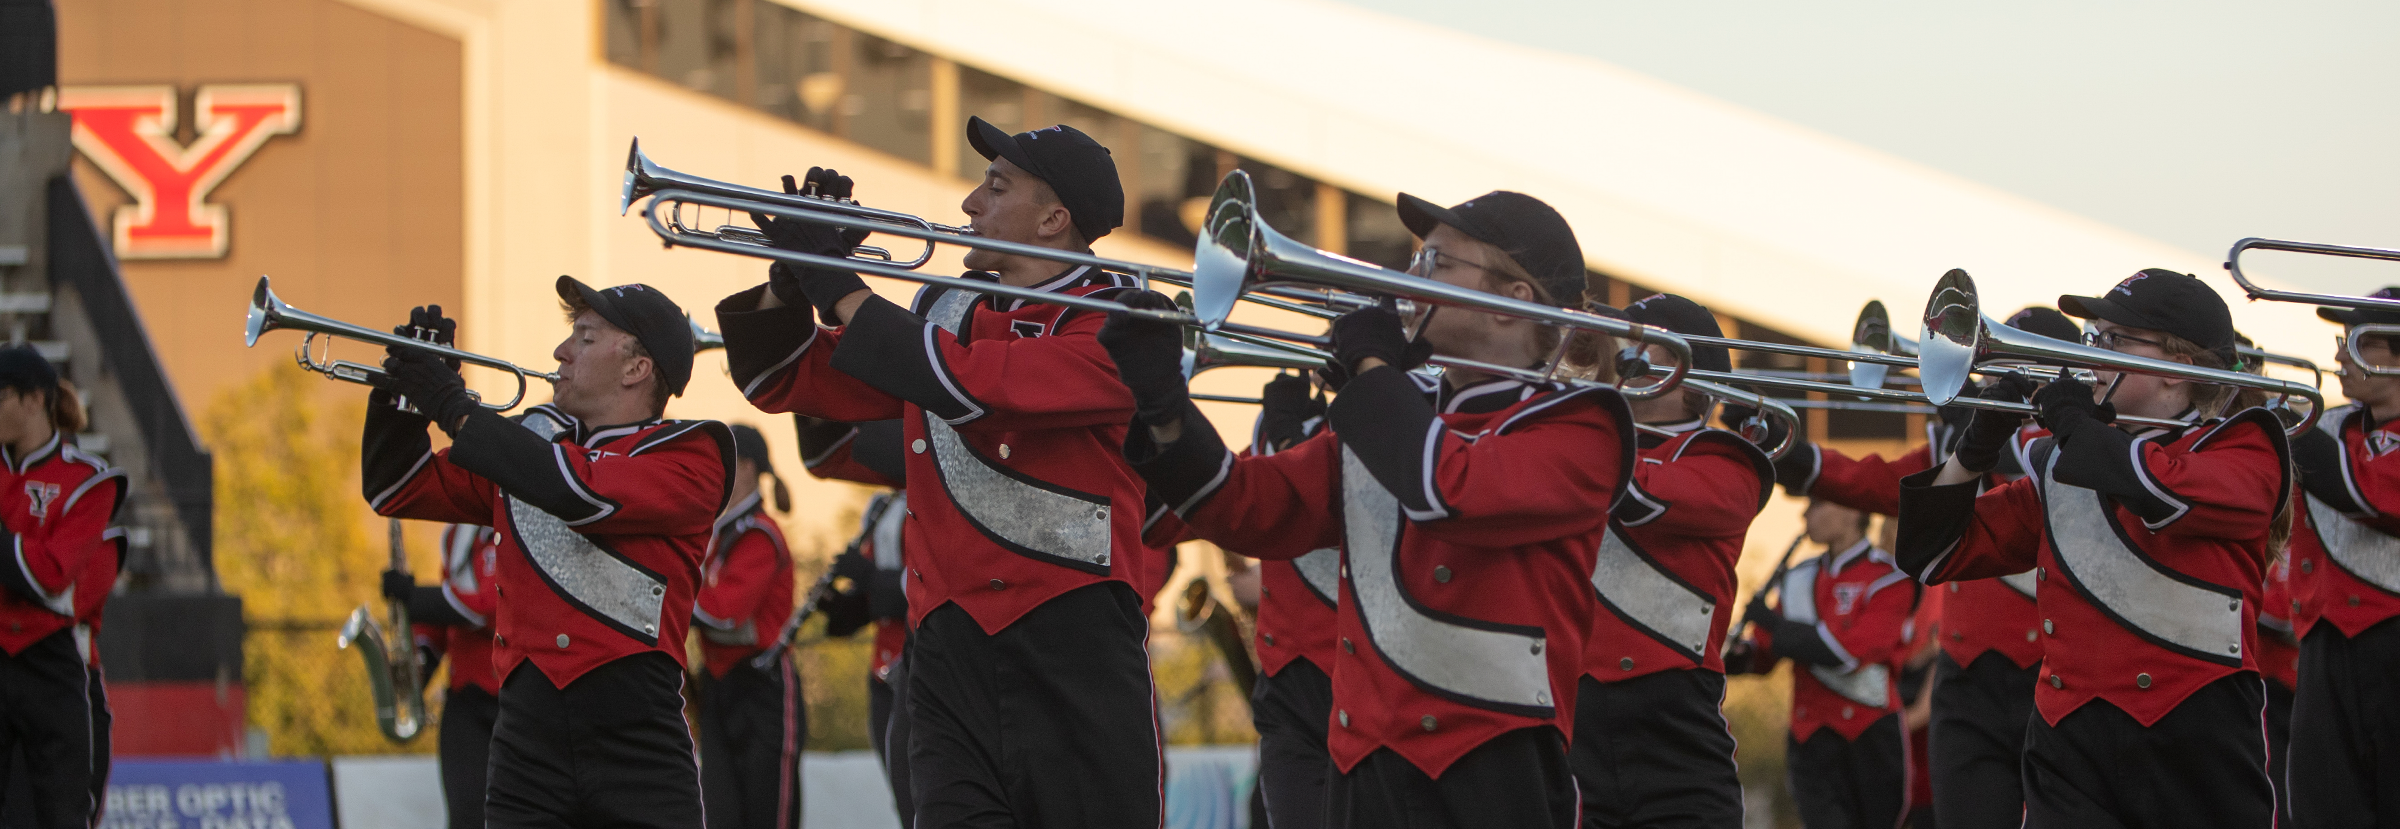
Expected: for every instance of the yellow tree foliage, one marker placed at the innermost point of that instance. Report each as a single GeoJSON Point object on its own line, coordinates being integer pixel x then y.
{"type": "Point", "coordinates": [293, 540]}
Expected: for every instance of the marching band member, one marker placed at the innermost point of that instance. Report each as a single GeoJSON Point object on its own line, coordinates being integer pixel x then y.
{"type": "Point", "coordinates": [453, 619]}
{"type": "Point", "coordinates": [2148, 551]}
{"type": "Point", "coordinates": [1651, 745]}
{"type": "Point", "coordinates": [56, 509]}
{"type": "Point", "coordinates": [2279, 664]}
{"type": "Point", "coordinates": [1990, 645]}
{"type": "Point", "coordinates": [875, 562]}
{"type": "Point", "coordinates": [1029, 519]}
{"type": "Point", "coordinates": [1842, 620]}
{"type": "Point", "coordinates": [1465, 511]}
{"type": "Point", "coordinates": [2345, 751]}
{"type": "Point", "coordinates": [603, 512]}
{"type": "Point", "coordinates": [1295, 636]}
{"type": "Point", "coordinates": [753, 722]}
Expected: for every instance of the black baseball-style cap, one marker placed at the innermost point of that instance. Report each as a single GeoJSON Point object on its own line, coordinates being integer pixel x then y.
{"type": "Point", "coordinates": [2162, 300]}
{"type": "Point", "coordinates": [1684, 316]}
{"type": "Point", "coordinates": [750, 445]}
{"type": "Point", "coordinates": [1519, 225]}
{"type": "Point", "coordinates": [2364, 316]}
{"type": "Point", "coordinates": [653, 320]}
{"type": "Point", "coordinates": [23, 368]}
{"type": "Point", "coordinates": [1076, 167]}
{"type": "Point", "coordinates": [2047, 322]}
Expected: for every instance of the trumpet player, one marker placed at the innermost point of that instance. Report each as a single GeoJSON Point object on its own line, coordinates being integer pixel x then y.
{"type": "Point", "coordinates": [753, 721]}
{"type": "Point", "coordinates": [1651, 745]}
{"type": "Point", "coordinates": [2345, 745]}
{"type": "Point", "coordinates": [604, 511]}
{"type": "Point", "coordinates": [1464, 508]}
{"type": "Point", "coordinates": [1989, 628]}
{"type": "Point", "coordinates": [56, 509]}
{"type": "Point", "coordinates": [2148, 549]}
{"type": "Point", "coordinates": [453, 621]}
{"type": "Point", "coordinates": [1028, 517]}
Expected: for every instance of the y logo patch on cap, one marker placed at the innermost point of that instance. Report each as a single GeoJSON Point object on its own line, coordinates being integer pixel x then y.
{"type": "Point", "coordinates": [2126, 287]}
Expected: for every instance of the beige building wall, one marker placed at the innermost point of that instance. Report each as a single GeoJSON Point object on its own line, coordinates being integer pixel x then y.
{"type": "Point", "coordinates": [356, 216]}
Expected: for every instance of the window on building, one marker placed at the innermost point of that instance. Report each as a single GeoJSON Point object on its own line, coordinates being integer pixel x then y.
{"type": "Point", "coordinates": [623, 40]}
{"type": "Point", "coordinates": [1287, 201]}
{"type": "Point", "coordinates": [699, 44]}
{"type": "Point", "coordinates": [993, 98]}
{"type": "Point", "coordinates": [1375, 233]}
{"type": "Point", "coordinates": [799, 64]}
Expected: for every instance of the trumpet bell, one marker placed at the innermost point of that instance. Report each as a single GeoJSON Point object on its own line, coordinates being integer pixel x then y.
{"type": "Point", "coordinates": [1872, 335]}
{"type": "Point", "coordinates": [1221, 260]}
{"type": "Point", "coordinates": [1951, 338]}
{"type": "Point", "coordinates": [266, 314]}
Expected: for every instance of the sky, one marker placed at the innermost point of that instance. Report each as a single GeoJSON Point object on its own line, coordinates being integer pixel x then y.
{"type": "Point", "coordinates": [2194, 123]}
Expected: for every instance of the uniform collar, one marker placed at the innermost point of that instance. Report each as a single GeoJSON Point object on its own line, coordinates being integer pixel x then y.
{"type": "Point", "coordinates": [2165, 433]}
{"type": "Point", "coordinates": [595, 436]}
{"type": "Point", "coordinates": [19, 465]}
{"type": "Point", "coordinates": [1484, 397]}
{"type": "Point", "coordinates": [1842, 560]}
{"type": "Point", "coordinates": [1650, 439]}
{"type": "Point", "coordinates": [740, 510]}
{"type": "Point", "coordinates": [1080, 276]}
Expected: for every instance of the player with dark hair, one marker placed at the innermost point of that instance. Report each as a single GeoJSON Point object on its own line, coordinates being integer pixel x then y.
{"type": "Point", "coordinates": [753, 721]}
{"type": "Point", "coordinates": [57, 505]}
{"type": "Point", "coordinates": [604, 512]}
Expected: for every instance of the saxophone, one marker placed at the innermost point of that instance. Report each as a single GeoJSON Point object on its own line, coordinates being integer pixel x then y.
{"type": "Point", "coordinates": [392, 670]}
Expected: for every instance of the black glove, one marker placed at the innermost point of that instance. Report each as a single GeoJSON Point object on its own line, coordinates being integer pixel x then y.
{"type": "Point", "coordinates": [1758, 613]}
{"type": "Point", "coordinates": [430, 385]}
{"type": "Point", "coordinates": [850, 565]}
{"type": "Point", "coordinates": [1149, 357]}
{"type": "Point", "coordinates": [1987, 430]}
{"type": "Point", "coordinates": [425, 322]}
{"type": "Point", "coordinates": [798, 284]}
{"type": "Point", "coordinates": [1741, 657]}
{"type": "Point", "coordinates": [1375, 332]}
{"type": "Point", "coordinates": [2066, 407]}
{"type": "Point", "coordinates": [1797, 469]}
{"type": "Point", "coordinates": [397, 585]}
{"type": "Point", "coordinates": [1286, 405]}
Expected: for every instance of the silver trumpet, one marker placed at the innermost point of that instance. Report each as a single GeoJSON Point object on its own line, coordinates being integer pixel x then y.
{"type": "Point", "coordinates": [269, 313]}
{"type": "Point", "coordinates": [393, 675]}
{"type": "Point", "coordinates": [644, 177]}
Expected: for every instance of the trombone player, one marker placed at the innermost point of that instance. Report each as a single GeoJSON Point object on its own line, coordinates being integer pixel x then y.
{"type": "Point", "coordinates": [1027, 515]}
{"type": "Point", "coordinates": [2148, 701]}
{"type": "Point", "coordinates": [1466, 595]}
{"type": "Point", "coordinates": [604, 512]}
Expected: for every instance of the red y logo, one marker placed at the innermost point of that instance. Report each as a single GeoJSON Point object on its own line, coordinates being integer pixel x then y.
{"type": "Point", "coordinates": [129, 132]}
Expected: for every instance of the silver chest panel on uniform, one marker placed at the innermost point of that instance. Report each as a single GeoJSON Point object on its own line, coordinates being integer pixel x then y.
{"type": "Point", "coordinates": [1489, 665]}
{"type": "Point", "coordinates": [2021, 582]}
{"type": "Point", "coordinates": [1868, 685]}
{"type": "Point", "coordinates": [1321, 570]}
{"type": "Point", "coordinates": [1019, 513]}
{"type": "Point", "coordinates": [2368, 553]}
{"type": "Point", "coordinates": [2121, 581]}
{"type": "Point", "coordinates": [888, 532]}
{"type": "Point", "coordinates": [580, 568]}
{"type": "Point", "coordinates": [1655, 600]}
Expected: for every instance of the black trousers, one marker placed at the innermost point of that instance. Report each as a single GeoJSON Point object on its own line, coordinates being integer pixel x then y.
{"type": "Point", "coordinates": [2203, 764]}
{"type": "Point", "coordinates": [1290, 710]}
{"type": "Point", "coordinates": [609, 751]}
{"type": "Point", "coordinates": [47, 731]}
{"type": "Point", "coordinates": [1977, 741]}
{"type": "Point", "coordinates": [887, 728]}
{"type": "Point", "coordinates": [1654, 751]}
{"type": "Point", "coordinates": [1517, 780]}
{"type": "Point", "coordinates": [1850, 784]}
{"type": "Point", "coordinates": [2279, 748]}
{"type": "Point", "coordinates": [753, 724]}
{"type": "Point", "coordinates": [2345, 768]}
{"type": "Point", "coordinates": [468, 713]}
{"type": "Point", "coordinates": [1047, 723]}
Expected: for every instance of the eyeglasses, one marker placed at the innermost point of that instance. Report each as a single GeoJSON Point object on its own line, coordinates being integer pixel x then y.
{"type": "Point", "coordinates": [2116, 341]}
{"type": "Point", "coordinates": [1427, 260]}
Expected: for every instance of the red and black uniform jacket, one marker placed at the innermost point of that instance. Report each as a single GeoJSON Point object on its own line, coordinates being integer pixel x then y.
{"type": "Point", "coordinates": [2278, 646]}
{"type": "Point", "coordinates": [1979, 615]}
{"type": "Point", "coordinates": [746, 587]}
{"type": "Point", "coordinates": [2349, 567]}
{"type": "Point", "coordinates": [870, 453]}
{"type": "Point", "coordinates": [1013, 418]}
{"type": "Point", "coordinates": [1468, 520]}
{"type": "Point", "coordinates": [459, 622]}
{"type": "Point", "coordinates": [1665, 574]}
{"type": "Point", "coordinates": [1858, 604]}
{"type": "Point", "coordinates": [601, 528]}
{"type": "Point", "coordinates": [2149, 553]}
{"type": "Point", "coordinates": [57, 507]}
{"type": "Point", "coordinates": [1296, 616]}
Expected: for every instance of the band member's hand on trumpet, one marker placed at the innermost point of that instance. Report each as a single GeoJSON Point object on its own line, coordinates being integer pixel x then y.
{"type": "Point", "coordinates": [428, 382]}
{"type": "Point", "coordinates": [821, 288]}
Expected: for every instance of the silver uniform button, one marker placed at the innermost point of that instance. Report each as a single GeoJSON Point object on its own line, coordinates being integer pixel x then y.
{"type": "Point", "coordinates": [2141, 680]}
{"type": "Point", "coordinates": [1847, 712]}
{"type": "Point", "coordinates": [2055, 682]}
{"type": "Point", "coordinates": [1441, 575]}
{"type": "Point", "coordinates": [917, 446]}
{"type": "Point", "coordinates": [1345, 718]}
{"type": "Point", "coordinates": [562, 641]}
{"type": "Point", "coordinates": [1429, 722]}
{"type": "Point", "coordinates": [1542, 697]}
{"type": "Point", "coordinates": [1004, 451]}
{"type": "Point", "coordinates": [2049, 628]}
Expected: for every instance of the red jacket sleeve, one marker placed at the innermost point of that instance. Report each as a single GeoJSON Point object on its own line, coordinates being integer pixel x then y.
{"type": "Point", "coordinates": [783, 362]}
{"type": "Point", "coordinates": [1869, 484]}
{"type": "Point", "coordinates": [1061, 379]}
{"type": "Point", "coordinates": [735, 582]}
{"type": "Point", "coordinates": [1949, 533]}
{"type": "Point", "coordinates": [1551, 477]}
{"type": "Point", "coordinates": [1712, 491]}
{"type": "Point", "coordinates": [1280, 506]}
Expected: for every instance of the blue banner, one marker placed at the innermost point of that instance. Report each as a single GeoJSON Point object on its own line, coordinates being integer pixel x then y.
{"type": "Point", "coordinates": [199, 794]}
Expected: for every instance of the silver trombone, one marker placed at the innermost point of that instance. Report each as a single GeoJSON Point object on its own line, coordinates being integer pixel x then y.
{"type": "Point", "coordinates": [2355, 333]}
{"type": "Point", "coordinates": [1208, 352]}
{"type": "Point", "coordinates": [1240, 256]}
{"type": "Point", "coordinates": [269, 313]}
